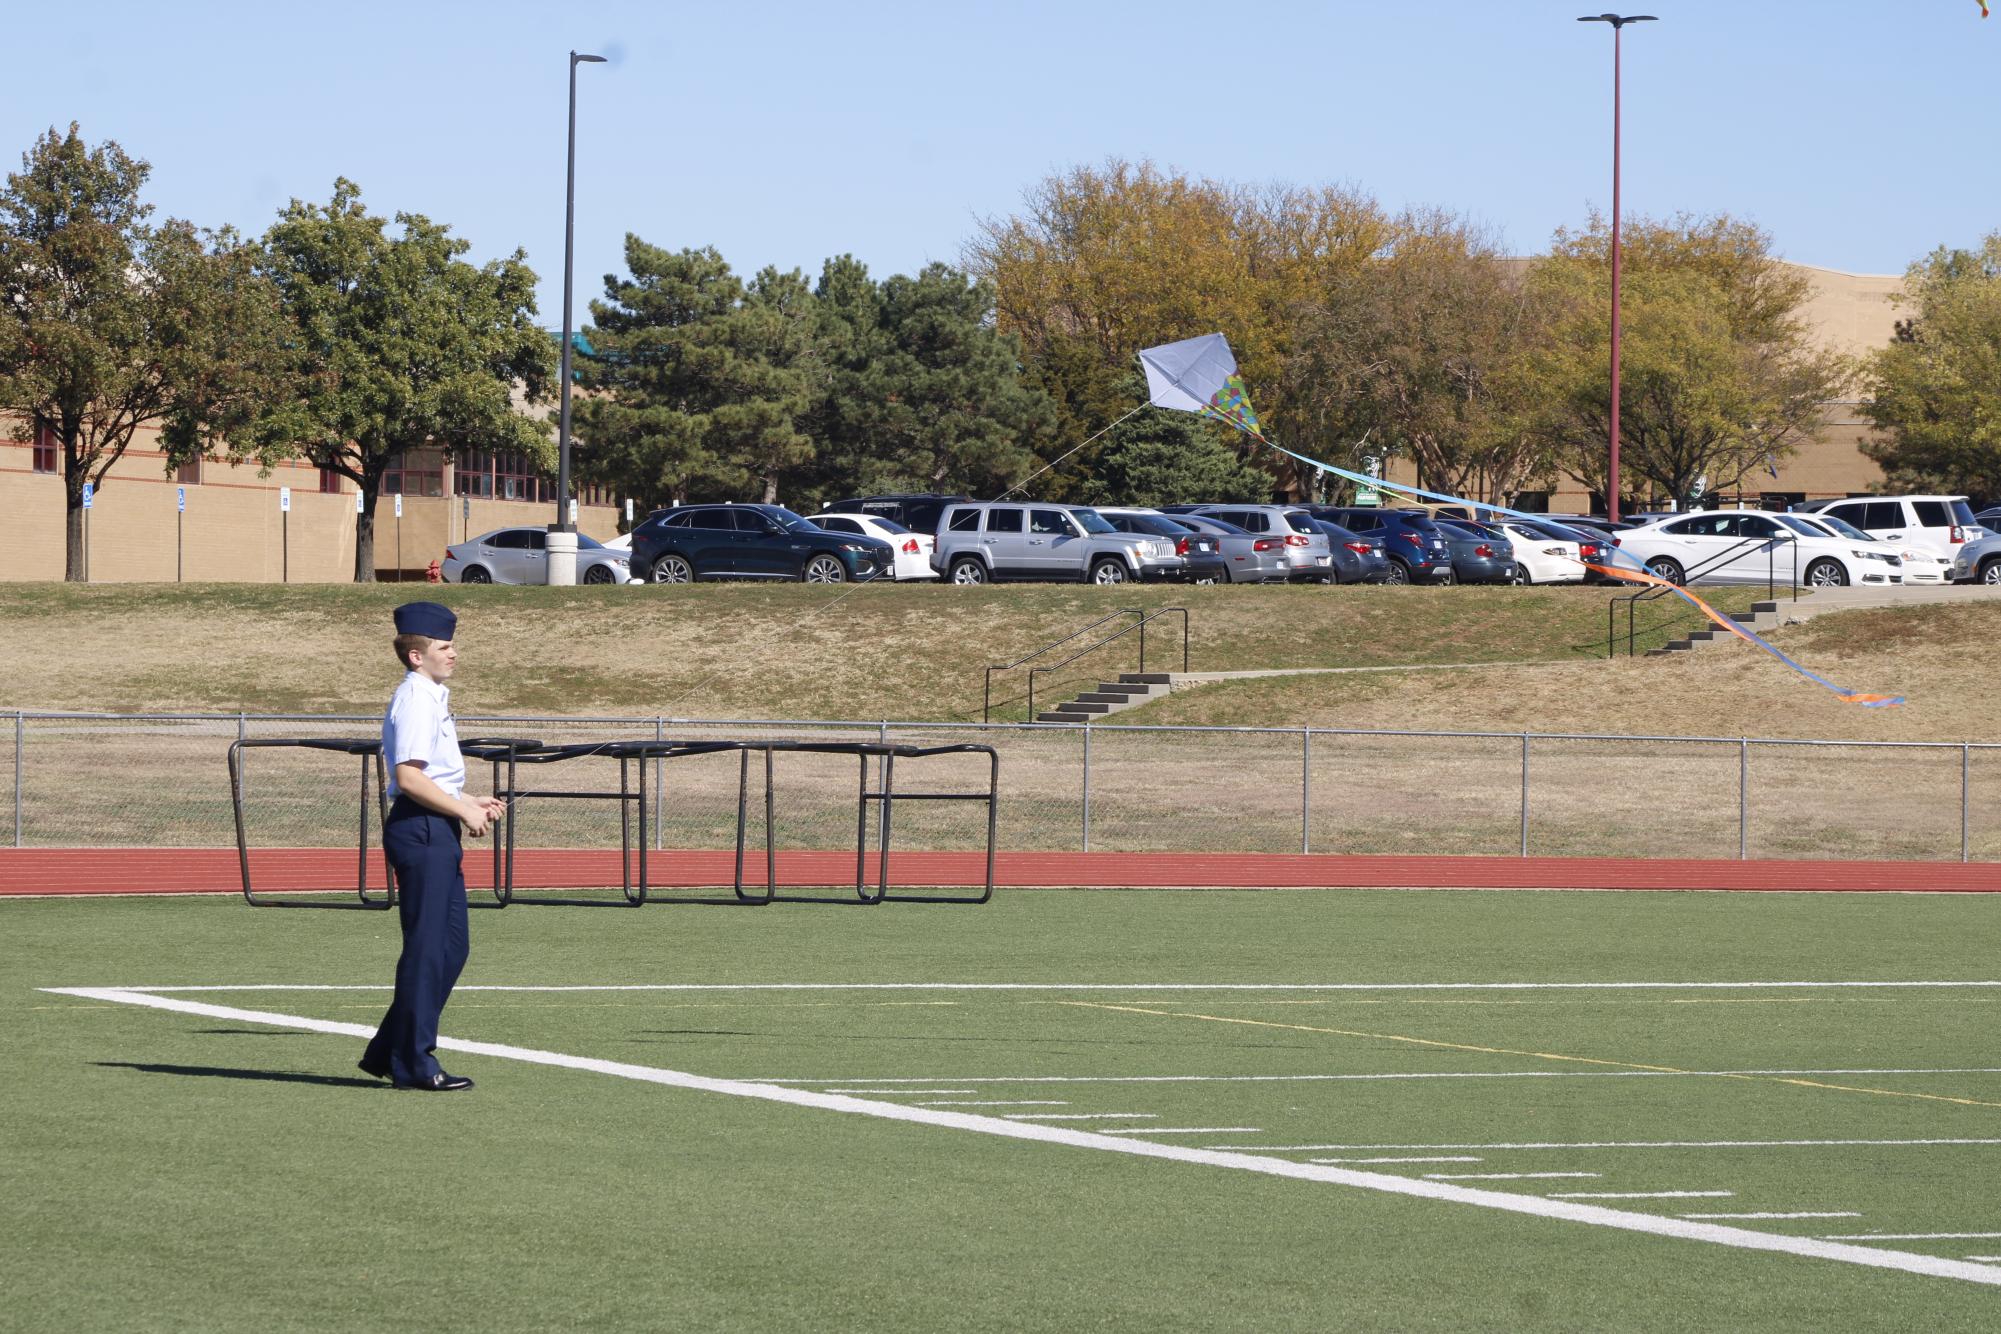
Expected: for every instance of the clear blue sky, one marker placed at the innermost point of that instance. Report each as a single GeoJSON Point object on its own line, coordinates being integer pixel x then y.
{"type": "Point", "coordinates": [1860, 133]}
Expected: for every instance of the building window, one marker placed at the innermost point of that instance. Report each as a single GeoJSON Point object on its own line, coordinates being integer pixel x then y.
{"type": "Point", "coordinates": [1780, 500]}
{"type": "Point", "coordinates": [46, 454]}
{"type": "Point", "coordinates": [416, 472]}
{"type": "Point", "coordinates": [189, 473]}
{"type": "Point", "coordinates": [1531, 502]}
{"type": "Point", "coordinates": [501, 477]}
{"type": "Point", "coordinates": [329, 482]}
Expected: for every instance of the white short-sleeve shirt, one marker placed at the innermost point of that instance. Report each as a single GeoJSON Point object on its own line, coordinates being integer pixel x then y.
{"type": "Point", "coordinates": [418, 728]}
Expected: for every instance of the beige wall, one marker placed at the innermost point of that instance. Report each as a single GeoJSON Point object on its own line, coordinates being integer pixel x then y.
{"type": "Point", "coordinates": [233, 528]}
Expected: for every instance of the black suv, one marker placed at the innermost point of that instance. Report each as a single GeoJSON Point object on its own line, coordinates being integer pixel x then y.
{"type": "Point", "coordinates": [1419, 553]}
{"type": "Point", "coordinates": [919, 512]}
{"type": "Point", "coordinates": [678, 546]}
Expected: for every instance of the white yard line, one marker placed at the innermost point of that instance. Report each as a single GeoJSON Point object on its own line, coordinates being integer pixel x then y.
{"type": "Point", "coordinates": [1012, 1102]}
{"type": "Point", "coordinates": [1505, 1176]}
{"type": "Point", "coordinates": [1083, 1116]}
{"type": "Point", "coordinates": [1533, 1206]}
{"type": "Point", "coordinates": [1838, 1214]}
{"type": "Point", "coordinates": [1087, 986]}
{"type": "Point", "coordinates": [1911, 1237]}
{"type": "Point", "coordinates": [1609, 1144]}
{"type": "Point", "coordinates": [1395, 1160]}
{"type": "Point", "coordinates": [1644, 1195]}
{"type": "Point", "coordinates": [1386, 1075]}
{"type": "Point", "coordinates": [1185, 1130]}
{"type": "Point", "coordinates": [899, 1092]}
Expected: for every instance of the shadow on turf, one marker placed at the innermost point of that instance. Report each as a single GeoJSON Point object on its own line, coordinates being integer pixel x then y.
{"type": "Point", "coordinates": [221, 1072]}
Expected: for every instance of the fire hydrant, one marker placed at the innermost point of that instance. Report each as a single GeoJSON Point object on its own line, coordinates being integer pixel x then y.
{"type": "Point", "coordinates": [433, 575]}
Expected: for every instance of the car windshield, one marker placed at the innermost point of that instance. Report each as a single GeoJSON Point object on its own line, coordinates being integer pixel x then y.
{"type": "Point", "coordinates": [588, 543]}
{"type": "Point", "coordinates": [1801, 526]}
{"type": "Point", "coordinates": [1841, 526]}
{"type": "Point", "coordinates": [1153, 523]}
{"type": "Point", "coordinates": [889, 525]}
{"type": "Point", "coordinates": [1092, 521]}
{"type": "Point", "coordinates": [1962, 513]}
{"type": "Point", "coordinates": [786, 519]}
{"type": "Point", "coordinates": [1204, 524]}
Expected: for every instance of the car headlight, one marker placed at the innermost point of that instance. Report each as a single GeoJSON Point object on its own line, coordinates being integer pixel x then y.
{"type": "Point", "coordinates": [856, 548]}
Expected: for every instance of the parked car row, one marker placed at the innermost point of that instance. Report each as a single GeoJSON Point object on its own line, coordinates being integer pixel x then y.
{"type": "Point", "coordinates": [1862, 540]}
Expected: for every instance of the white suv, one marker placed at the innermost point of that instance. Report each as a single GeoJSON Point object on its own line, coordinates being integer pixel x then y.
{"type": "Point", "coordinates": [1936, 525]}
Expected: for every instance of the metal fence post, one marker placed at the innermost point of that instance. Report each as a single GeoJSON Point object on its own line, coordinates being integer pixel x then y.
{"type": "Point", "coordinates": [1743, 798]}
{"type": "Point", "coordinates": [1525, 794]}
{"type": "Point", "coordinates": [1087, 787]}
{"type": "Point", "coordinates": [659, 788]}
{"type": "Point", "coordinates": [1305, 790]}
{"type": "Point", "coordinates": [20, 741]}
{"type": "Point", "coordinates": [242, 769]}
{"type": "Point", "coordinates": [1965, 800]}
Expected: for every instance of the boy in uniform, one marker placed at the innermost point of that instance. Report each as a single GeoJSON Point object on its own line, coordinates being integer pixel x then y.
{"type": "Point", "coordinates": [420, 745]}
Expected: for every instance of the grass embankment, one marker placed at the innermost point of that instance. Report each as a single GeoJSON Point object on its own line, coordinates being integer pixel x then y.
{"type": "Point", "coordinates": [1937, 656]}
{"type": "Point", "coordinates": [728, 650]}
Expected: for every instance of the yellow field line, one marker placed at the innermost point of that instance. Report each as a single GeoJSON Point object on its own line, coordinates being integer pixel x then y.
{"type": "Point", "coordinates": [1536, 1055]}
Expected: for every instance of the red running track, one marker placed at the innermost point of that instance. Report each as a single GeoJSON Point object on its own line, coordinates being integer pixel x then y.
{"type": "Point", "coordinates": [215, 871]}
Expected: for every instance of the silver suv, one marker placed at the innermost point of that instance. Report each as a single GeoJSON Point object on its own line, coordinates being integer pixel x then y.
{"type": "Point", "coordinates": [985, 540]}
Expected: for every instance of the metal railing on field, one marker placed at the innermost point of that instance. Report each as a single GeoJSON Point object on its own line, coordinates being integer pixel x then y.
{"type": "Point", "coordinates": [1729, 556]}
{"type": "Point", "coordinates": [159, 781]}
{"type": "Point", "coordinates": [1114, 637]}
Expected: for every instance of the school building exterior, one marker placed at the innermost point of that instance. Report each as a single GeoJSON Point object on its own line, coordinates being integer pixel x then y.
{"type": "Point", "coordinates": [219, 521]}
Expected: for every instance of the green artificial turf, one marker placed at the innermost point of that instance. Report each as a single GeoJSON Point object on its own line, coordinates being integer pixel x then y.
{"type": "Point", "coordinates": [178, 1171]}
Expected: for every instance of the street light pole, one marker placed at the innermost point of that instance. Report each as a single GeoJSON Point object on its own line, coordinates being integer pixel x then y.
{"type": "Point", "coordinates": [1618, 23]}
{"type": "Point", "coordinates": [562, 542]}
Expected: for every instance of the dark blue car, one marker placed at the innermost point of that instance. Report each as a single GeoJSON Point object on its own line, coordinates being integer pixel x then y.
{"type": "Point", "coordinates": [1418, 551]}
{"type": "Point", "coordinates": [679, 546]}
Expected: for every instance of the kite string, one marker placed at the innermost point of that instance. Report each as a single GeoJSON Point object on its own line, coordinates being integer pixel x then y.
{"type": "Point", "coordinates": [1067, 453]}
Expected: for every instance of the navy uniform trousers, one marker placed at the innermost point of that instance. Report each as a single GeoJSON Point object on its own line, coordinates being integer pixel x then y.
{"type": "Point", "coordinates": [423, 848]}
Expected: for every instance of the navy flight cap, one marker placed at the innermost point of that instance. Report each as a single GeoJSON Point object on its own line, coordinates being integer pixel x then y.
{"type": "Point", "coordinates": [426, 618]}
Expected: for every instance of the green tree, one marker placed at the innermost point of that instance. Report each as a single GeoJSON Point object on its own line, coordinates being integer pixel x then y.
{"type": "Point", "coordinates": [1170, 458]}
{"type": "Point", "coordinates": [395, 344]}
{"type": "Point", "coordinates": [945, 401]}
{"type": "Point", "coordinates": [1935, 391]}
{"type": "Point", "coordinates": [1103, 261]}
{"type": "Point", "coordinates": [1425, 350]}
{"type": "Point", "coordinates": [662, 359]}
{"type": "Point", "coordinates": [755, 433]}
{"type": "Point", "coordinates": [1718, 378]}
{"type": "Point", "coordinates": [111, 324]}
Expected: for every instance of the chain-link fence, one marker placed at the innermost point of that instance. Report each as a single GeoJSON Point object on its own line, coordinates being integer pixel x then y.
{"type": "Point", "coordinates": [158, 780]}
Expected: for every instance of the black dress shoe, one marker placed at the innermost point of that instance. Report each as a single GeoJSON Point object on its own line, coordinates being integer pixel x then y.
{"type": "Point", "coordinates": [377, 1070]}
{"type": "Point", "coordinates": [440, 1083]}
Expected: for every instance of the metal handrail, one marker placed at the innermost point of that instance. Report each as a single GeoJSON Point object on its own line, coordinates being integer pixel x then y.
{"type": "Point", "coordinates": [987, 688]}
{"type": "Point", "coordinates": [1726, 557]}
{"type": "Point", "coordinates": [1141, 627]}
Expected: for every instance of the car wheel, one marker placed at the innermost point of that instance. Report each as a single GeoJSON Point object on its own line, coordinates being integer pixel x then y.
{"type": "Point", "coordinates": [1399, 573]}
{"type": "Point", "coordinates": [1110, 571]}
{"type": "Point", "coordinates": [1990, 570]}
{"type": "Point", "coordinates": [1826, 573]}
{"type": "Point", "coordinates": [475, 574]}
{"type": "Point", "coordinates": [1449, 580]}
{"type": "Point", "coordinates": [824, 570]}
{"type": "Point", "coordinates": [598, 574]}
{"type": "Point", "coordinates": [1521, 576]}
{"type": "Point", "coordinates": [1665, 567]}
{"type": "Point", "coordinates": [968, 570]}
{"type": "Point", "coordinates": [673, 570]}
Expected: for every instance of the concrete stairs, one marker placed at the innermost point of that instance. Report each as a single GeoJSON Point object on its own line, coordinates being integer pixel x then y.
{"type": "Point", "coordinates": [1762, 615]}
{"type": "Point", "coordinates": [1111, 696]}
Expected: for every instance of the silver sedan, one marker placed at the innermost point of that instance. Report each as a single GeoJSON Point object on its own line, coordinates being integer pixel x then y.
{"type": "Point", "coordinates": [520, 556]}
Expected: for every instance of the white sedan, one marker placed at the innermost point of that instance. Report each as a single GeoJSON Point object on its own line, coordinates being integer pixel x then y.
{"type": "Point", "coordinates": [1542, 557]}
{"type": "Point", "coordinates": [1920, 566]}
{"type": "Point", "coordinates": [1751, 547]}
{"type": "Point", "coordinates": [913, 550]}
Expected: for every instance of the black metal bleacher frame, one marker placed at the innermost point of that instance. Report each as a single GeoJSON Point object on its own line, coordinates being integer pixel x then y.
{"type": "Point", "coordinates": [367, 748]}
{"type": "Point", "coordinates": [507, 754]}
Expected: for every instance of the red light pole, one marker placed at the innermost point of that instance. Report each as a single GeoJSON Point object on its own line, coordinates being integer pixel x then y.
{"type": "Point", "coordinates": [1618, 22]}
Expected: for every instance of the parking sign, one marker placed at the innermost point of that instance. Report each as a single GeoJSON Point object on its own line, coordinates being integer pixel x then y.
{"type": "Point", "coordinates": [89, 492]}
{"type": "Point", "coordinates": [285, 500]}
{"type": "Point", "coordinates": [357, 502]}
{"type": "Point", "coordinates": [399, 504]}
{"type": "Point", "coordinates": [181, 499]}
{"type": "Point", "coordinates": [573, 509]}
